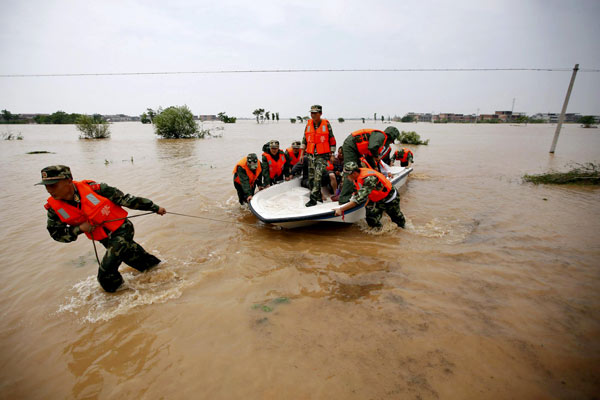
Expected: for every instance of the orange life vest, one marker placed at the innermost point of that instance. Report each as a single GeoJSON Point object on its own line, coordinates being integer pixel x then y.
{"type": "Point", "coordinates": [375, 195]}
{"type": "Point", "coordinates": [329, 166]}
{"type": "Point", "coordinates": [318, 138]}
{"type": "Point", "coordinates": [252, 175]}
{"type": "Point", "coordinates": [293, 159]}
{"type": "Point", "coordinates": [364, 161]}
{"type": "Point", "coordinates": [404, 154]}
{"type": "Point", "coordinates": [275, 166]}
{"type": "Point", "coordinates": [95, 209]}
{"type": "Point", "coordinates": [361, 138]}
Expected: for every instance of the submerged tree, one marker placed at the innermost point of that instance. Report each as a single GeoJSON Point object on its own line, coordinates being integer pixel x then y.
{"type": "Point", "coordinates": [225, 118]}
{"type": "Point", "coordinates": [94, 127]}
{"type": "Point", "coordinates": [340, 120]}
{"type": "Point", "coordinates": [587, 121]}
{"type": "Point", "coordinates": [258, 113]}
{"type": "Point", "coordinates": [176, 123]}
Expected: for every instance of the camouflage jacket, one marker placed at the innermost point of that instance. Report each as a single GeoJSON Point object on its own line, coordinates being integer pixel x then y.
{"type": "Point", "coordinates": [370, 183]}
{"type": "Point", "coordinates": [62, 232]}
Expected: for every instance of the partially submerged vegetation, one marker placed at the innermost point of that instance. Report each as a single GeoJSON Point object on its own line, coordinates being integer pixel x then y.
{"type": "Point", "coordinates": [39, 152]}
{"type": "Point", "coordinates": [12, 136]}
{"type": "Point", "coordinates": [411, 138]}
{"type": "Point", "coordinates": [581, 174]}
{"type": "Point", "coordinates": [92, 127]}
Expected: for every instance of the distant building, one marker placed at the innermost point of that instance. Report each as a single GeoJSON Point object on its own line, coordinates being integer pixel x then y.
{"type": "Point", "coordinates": [208, 118]}
{"type": "Point", "coordinates": [120, 118]}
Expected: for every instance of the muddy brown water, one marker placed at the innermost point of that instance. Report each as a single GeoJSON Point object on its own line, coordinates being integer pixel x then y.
{"type": "Point", "coordinates": [490, 292]}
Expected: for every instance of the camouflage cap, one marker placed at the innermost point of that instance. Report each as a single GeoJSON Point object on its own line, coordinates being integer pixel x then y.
{"type": "Point", "coordinates": [392, 132]}
{"type": "Point", "coordinates": [252, 160]}
{"type": "Point", "coordinates": [296, 144]}
{"type": "Point", "coordinates": [274, 144]}
{"type": "Point", "coordinates": [350, 167]}
{"type": "Point", "coordinates": [55, 173]}
{"type": "Point", "coordinates": [316, 108]}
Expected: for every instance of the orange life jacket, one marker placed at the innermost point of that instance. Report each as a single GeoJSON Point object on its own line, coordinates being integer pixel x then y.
{"type": "Point", "coordinates": [275, 166]}
{"type": "Point", "coordinates": [252, 175]}
{"type": "Point", "coordinates": [319, 139]}
{"type": "Point", "coordinates": [375, 195]}
{"type": "Point", "coordinates": [293, 159]}
{"type": "Point", "coordinates": [364, 161]}
{"type": "Point", "coordinates": [329, 166]}
{"type": "Point", "coordinates": [361, 138]}
{"type": "Point", "coordinates": [95, 209]}
{"type": "Point", "coordinates": [404, 154]}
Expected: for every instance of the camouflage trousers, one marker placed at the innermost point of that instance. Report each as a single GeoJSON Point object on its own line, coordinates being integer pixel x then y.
{"type": "Point", "coordinates": [120, 247]}
{"type": "Point", "coordinates": [317, 165]}
{"type": "Point", "coordinates": [375, 211]}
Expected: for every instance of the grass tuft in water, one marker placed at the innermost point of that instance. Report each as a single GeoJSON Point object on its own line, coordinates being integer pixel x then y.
{"type": "Point", "coordinates": [580, 174]}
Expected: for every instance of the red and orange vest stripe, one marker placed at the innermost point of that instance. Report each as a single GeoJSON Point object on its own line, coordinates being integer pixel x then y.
{"type": "Point", "coordinates": [404, 152]}
{"type": "Point", "coordinates": [95, 209]}
{"type": "Point", "coordinates": [375, 195]}
{"type": "Point", "coordinates": [318, 138]}
{"type": "Point", "coordinates": [252, 175]}
{"type": "Point", "coordinates": [361, 138]}
{"type": "Point", "coordinates": [275, 166]}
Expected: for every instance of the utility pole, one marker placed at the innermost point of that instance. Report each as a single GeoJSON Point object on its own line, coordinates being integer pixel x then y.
{"type": "Point", "coordinates": [564, 109]}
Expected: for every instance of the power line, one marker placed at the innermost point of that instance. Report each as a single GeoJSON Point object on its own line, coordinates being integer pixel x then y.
{"type": "Point", "coordinates": [260, 71]}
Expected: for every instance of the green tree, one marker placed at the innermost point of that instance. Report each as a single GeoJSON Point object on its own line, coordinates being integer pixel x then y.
{"type": "Point", "coordinates": [411, 138]}
{"type": "Point", "coordinates": [374, 116]}
{"type": "Point", "coordinates": [382, 118]}
{"type": "Point", "coordinates": [145, 119]}
{"type": "Point", "coordinates": [407, 118]}
{"type": "Point", "coordinates": [176, 123]}
{"type": "Point", "coordinates": [293, 120]}
{"type": "Point", "coordinates": [225, 118]}
{"type": "Point", "coordinates": [151, 114]}
{"type": "Point", "coordinates": [299, 118]}
{"type": "Point", "coordinates": [363, 120]}
{"type": "Point", "coordinates": [92, 127]}
{"type": "Point", "coordinates": [277, 116]}
{"type": "Point", "coordinates": [7, 115]}
{"type": "Point", "coordinates": [268, 115]}
{"type": "Point", "coordinates": [259, 114]}
{"type": "Point", "coordinates": [587, 121]}
{"type": "Point", "coordinates": [340, 120]}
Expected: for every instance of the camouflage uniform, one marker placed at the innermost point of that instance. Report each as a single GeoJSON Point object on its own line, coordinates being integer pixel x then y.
{"type": "Point", "coordinates": [120, 246]}
{"type": "Point", "coordinates": [350, 151]}
{"type": "Point", "coordinates": [375, 210]}
{"type": "Point", "coordinates": [244, 190]}
{"type": "Point", "coordinates": [399, 155]}
{"type": "Point", "coordinates": [317, 166]}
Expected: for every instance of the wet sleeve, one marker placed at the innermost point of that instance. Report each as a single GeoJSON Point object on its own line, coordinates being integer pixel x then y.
{"type": "Point", "coordinates": [332, 142]}
{"type": "Point", "coordinates": [363, 193]}
{"type": "Point", "coordinates": [60, 231]}
{"type": "Point", "coordinates": [126, 200]}
{"type": "Point", "coordinates": [266, 176]}
{"type": "Point", "coordinates": [244, 181]}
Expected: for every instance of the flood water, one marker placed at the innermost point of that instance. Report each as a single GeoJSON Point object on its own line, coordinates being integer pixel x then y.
{"type": "Point", "coordinates": [491, 291]}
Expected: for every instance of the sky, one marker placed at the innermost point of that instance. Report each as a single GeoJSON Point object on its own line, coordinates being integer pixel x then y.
{"type": "Point", "coordinates": [81, 37]}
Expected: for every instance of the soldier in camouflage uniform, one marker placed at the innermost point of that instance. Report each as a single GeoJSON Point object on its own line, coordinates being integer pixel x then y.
{"type": "Point", "coordinates": [371, 184]}
{"type": "Point", "coordinates": [318, 147]}
{"type": "Point", "coordinates": [245, 180]}
{"type": "Point", "coordinates": [351, 153]}
{"type": "Point", "coordinates": [119, 243]}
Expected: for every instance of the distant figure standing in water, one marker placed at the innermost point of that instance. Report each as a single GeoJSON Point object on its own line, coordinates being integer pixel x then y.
{"type": "Point", "coordinates": [76, 207]}
{"type": "Point", "coordinates": [319, 143]}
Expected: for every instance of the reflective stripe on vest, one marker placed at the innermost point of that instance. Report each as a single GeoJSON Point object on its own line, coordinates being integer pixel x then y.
{"type": "Point", "coordinates": [375, 195]}
{"type": "Point", "coordinates": [252, 175]}
{"type": "Point", "coordinates": [318, 138]}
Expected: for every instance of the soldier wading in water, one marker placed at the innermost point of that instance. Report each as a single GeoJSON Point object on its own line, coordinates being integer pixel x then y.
{"type": "Point", "coordinates": [76, 207]}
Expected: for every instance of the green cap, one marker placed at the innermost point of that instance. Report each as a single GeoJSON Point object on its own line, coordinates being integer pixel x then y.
{"type": "Point", "coordinates": [252, 160]}
{"type": "Point", "coordinates": [350, 167]}
{"type": "Point", "coordinates": [316, 108]}
{"type": "Point", "coordinates": [55, 173]}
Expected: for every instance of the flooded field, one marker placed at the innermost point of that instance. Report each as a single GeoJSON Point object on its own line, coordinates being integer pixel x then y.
{"type": "Point", "coordinates": [490, 292]}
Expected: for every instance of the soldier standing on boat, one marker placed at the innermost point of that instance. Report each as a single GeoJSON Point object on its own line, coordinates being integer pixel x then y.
{"type": "Point", "coordinates": [247, 174]}
{"type": "Point", "coordinates": [372, 187]}
{"type": "Point", "coordinates": [319, 143]}
{"type": "Point", "coordinates": [369, 143]}
{"type": "Point", "coordinates": [76, 207]}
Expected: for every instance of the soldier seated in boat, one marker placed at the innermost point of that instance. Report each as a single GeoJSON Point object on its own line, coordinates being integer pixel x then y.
{"type": "Point", "coordinates": [273, 164]}
{"type": "Point", "coordinates": [293, 155]}
{"type": "Point", "coordinates": [247, 174]}
{"type": "Point", "coordinates": [76, 207]}
{"type": "Point", "coordinates": [372, 186]}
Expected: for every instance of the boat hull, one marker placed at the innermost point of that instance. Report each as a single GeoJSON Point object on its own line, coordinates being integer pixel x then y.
{"type": "Point", "coordinates": [283, 204]}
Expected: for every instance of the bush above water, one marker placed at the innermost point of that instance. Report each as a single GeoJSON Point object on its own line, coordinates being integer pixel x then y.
{"type": "Point", "coordinates": [411, 138]}
{"type": "Point", "coordinates": [92, 127]}
{"type": "Point", "coordinates": [176, 123]}
{"type": "Point", "coordinates": [582, 174]}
